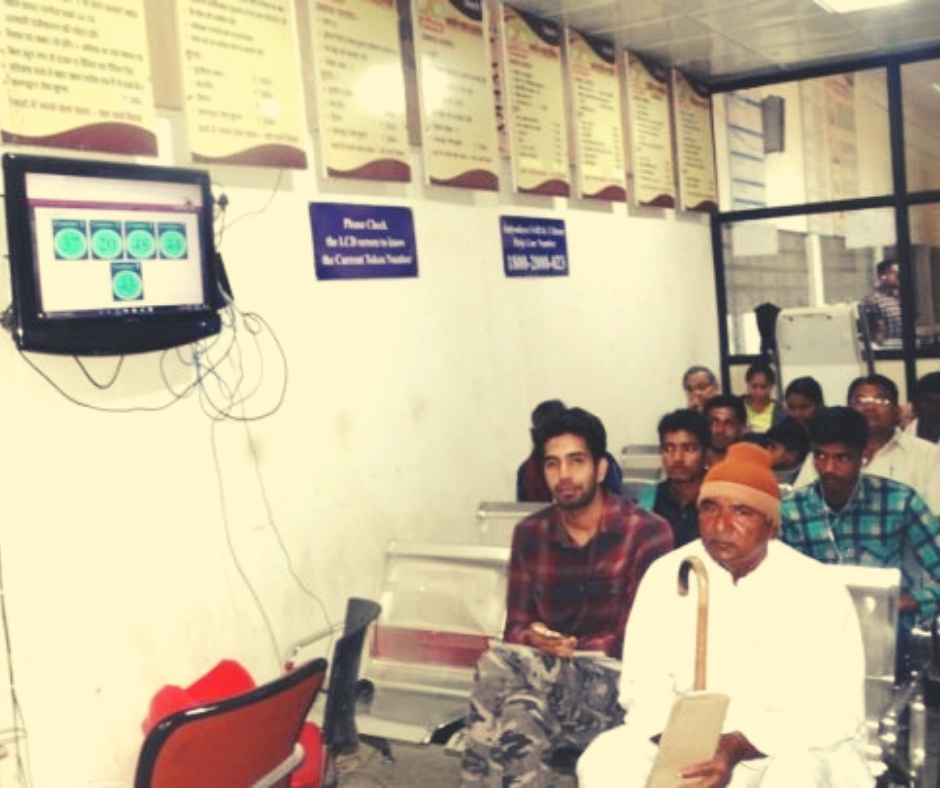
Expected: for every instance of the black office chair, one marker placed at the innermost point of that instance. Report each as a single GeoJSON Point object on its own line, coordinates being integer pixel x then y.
{"type": "Point", "coordinates": [250, 739]}
{"type": "Point", "coordinates": [340, 735]}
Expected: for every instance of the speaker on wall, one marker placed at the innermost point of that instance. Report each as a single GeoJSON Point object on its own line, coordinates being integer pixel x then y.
{"type": "Point", "coordinates": [772, 112]}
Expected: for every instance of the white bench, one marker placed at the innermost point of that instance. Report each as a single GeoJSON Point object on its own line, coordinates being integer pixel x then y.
{"type": "Point", "coordinates": [442, 604]}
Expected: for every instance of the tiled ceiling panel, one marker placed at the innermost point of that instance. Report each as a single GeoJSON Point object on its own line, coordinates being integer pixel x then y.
{"type": "Point", "coordinates": [723, 39]}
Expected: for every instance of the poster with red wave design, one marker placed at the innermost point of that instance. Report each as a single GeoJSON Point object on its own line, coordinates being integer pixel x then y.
{"type": "Point", "coordinates": [68, 85]}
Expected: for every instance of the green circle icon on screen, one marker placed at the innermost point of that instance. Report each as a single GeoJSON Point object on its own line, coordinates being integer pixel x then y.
{"type": "Point", "coordinates": [127, 286]}
{"type": "Point", "coordinates": [106, 243]}
{"type": "Point", "coordinates": [141, 244]}
{"type": "Point", "coordinates": [70, 243]}
{"type": "Point", "coordinates": [173, 244]}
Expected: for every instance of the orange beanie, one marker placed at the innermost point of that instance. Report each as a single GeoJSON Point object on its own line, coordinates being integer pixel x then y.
{"type": "Point", "coordinates": [745, 475]}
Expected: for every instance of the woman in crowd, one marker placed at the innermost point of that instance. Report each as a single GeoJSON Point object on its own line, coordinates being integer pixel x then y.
{"type": "Point", "coordinates": [762, 411]}
{"type": "Point", "coordinates": [804, 402]}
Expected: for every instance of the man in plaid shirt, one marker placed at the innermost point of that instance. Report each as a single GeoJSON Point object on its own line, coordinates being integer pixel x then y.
{"type": "Point", "coordinates": [573, 574]}
{"type": "Point", "coordinates": [853, 518]}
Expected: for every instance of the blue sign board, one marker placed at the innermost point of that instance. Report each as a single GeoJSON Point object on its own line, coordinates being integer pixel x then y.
{"type": "Point", "coordinates": [363, 241]}
{"type": "Point", "coordinates": [534, 247]}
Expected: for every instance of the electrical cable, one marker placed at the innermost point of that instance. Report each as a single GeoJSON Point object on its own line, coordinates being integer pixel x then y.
{"type": "Point", "coordinates": [24, 767]}
{"type": "Point", "coordinates": [274, 191]}
{"type": "Point", "coordinates": [95, 383]}
{"type": "Point", "coordinates": [233, 553]}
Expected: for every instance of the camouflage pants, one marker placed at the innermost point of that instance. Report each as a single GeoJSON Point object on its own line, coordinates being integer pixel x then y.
{"type": "Point", "coordinates": [524, 704]}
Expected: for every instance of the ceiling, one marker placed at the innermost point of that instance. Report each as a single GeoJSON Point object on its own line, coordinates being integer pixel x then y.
{"type": "Point", "coordinates": [716, 40]}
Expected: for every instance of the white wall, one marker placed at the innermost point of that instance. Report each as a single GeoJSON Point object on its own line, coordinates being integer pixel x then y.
{"type": "Point", "coordinates": [408, 403]}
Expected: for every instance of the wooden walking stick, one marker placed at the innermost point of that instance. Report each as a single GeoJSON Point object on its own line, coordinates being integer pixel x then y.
{"type": "Point", "coordinates": [697, 716]}
{"type": "Point", "coordinates": [701, 622]}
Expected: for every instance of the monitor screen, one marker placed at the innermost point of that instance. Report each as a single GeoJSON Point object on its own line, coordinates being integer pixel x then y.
{"type": "Point", "coordinates": [109, 258]}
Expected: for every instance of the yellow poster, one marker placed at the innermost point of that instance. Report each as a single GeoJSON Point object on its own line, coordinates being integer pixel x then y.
{"type": "Point", "coordinates": [650, 134]}
{"type": "Point", "coordinates": [698, 190]}
{"type": "Point", "coordinates": [360, 89]}
{"type": "Point", "coordinates": [598, 120]}
{"type": "Point", "coordinates": [535, 98]}
{"type": "Point", "coordinates": [76, 74]}
{"type": "Point", "coordinates": [458, 117]}
{"type": "Point", "coordinates": [242, 82]}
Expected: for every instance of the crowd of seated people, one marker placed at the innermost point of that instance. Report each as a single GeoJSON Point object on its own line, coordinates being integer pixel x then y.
{"type": "Point", "coordinates": [865, 490]}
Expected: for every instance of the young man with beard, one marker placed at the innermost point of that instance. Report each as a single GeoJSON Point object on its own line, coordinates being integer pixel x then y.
{"type": "Point", "coordinates": [574, 570]}
{"type": "Point", "coordinates": [850, 517]}
{"type": "Point", "coordinates": [683, 441]}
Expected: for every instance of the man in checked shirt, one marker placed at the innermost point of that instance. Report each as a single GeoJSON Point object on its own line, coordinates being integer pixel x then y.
{"type": "Point", "coordinates": [573, 574]}
{"type": "Point", "coordinates": [847, 517]}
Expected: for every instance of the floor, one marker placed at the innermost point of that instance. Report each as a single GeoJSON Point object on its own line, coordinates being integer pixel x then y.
{"type": "Point", "coordinates": [432, 766]}
{"type": "Point", "coordinates": [415, 766]}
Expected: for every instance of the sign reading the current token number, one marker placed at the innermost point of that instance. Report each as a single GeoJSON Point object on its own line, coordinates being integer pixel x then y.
{"type": "Point", "coordinates": [598, 122]}
{"type": "Point", "coordinates": [363, 241]}
{"type": "Point", "coordinates": [455, 78]}
{"type": "Point", "coordinates": [76, 75]}
{"type": "Point", "coordinates": [242, 82]}
{"type": "Point", "coordinates": [534, 83]}
{"type": "Point", "coordinates": [360, 89]}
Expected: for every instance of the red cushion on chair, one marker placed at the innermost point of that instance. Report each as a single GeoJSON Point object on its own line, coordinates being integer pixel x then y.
{"type": "Point", "coordinates": [225, 680]}
{"type": "Point", "coordinates": [168, 700]}
{"type": "Point", "coordinates": [308, 774]}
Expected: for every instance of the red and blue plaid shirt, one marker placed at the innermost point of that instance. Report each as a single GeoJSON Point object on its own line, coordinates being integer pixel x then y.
{"type": "Point", "coordinates": [582, 590]}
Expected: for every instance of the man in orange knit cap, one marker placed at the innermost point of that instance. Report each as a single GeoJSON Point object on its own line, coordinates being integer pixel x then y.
{"type": "Point", "coordinates": [794, 719]}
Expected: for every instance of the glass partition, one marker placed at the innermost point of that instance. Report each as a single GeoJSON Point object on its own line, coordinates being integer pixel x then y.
{"type": "Point", "coordinates": [920, 84]}
{"type": "Point", "coordinates": [810, 261]}
{"type": "Point", "coordinates": [807, 141]}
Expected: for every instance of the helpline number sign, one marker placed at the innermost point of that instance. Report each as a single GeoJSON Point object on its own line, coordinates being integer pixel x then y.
{"type": "Point", "coordinates": [534, 247]}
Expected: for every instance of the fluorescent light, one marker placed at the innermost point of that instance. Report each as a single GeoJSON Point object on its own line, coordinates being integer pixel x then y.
{"type": "Point", "coordinates": [848, 6]}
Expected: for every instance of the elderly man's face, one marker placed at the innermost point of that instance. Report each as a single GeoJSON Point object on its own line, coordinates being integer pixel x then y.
{"type": "Point", "coordinates": [734, 534]}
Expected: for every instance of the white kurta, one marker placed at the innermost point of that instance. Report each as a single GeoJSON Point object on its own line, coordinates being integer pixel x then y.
{"type": "Point", "coordinates": [783, 643]}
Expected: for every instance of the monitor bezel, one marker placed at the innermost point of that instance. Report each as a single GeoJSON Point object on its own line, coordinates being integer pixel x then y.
{"type": "Point", "coordinates": [112, 334]}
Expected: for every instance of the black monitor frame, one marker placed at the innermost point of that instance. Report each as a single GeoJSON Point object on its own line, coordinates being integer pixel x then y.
{"type": "Point", "coordinates": [117, 333]}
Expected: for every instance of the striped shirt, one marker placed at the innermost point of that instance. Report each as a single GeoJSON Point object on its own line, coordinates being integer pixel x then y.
{"type": "Point", "coordinates": [582, 590]}
{"type": "Point", "coordinates": [885, 523]}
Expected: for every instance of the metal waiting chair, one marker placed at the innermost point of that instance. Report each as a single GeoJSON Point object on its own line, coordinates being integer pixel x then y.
{"type": "Point", "coordinates": [249, 740]}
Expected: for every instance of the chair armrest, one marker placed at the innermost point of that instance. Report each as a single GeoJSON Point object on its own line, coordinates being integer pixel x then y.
{"type": "Point", "coordinates": [294, 649]}
{"type": "Point", "coordinates": [284, 768]}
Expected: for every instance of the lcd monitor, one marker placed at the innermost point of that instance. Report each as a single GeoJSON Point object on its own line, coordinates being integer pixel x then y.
{"type": "Point", "coordinates": [109, 258]}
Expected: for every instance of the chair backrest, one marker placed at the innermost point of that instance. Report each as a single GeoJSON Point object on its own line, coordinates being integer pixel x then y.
{"type": "Point", "coordinates": [234, 742]}
{"type": "Point", "coordinates": [498, 519]}
{"type": "Point", "coordinates": [875, 593]}
{"type": "Point", "coordinates": [339, 718]}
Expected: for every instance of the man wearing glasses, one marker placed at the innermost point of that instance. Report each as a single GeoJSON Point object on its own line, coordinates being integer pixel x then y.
{"type": "Point", "coordinates": [851, 517]}
{"type": "Point", "coordinates": [889, 452]}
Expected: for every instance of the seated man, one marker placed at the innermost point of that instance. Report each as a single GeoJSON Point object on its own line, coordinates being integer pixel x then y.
{"type": "Point", "coordinates": [890, 452]}
{"type": "Point", "coordinates": [783, 644]}
{"type": "Point", "coordinates": [925, 404]}
{"type": "Point", "coordinates": [530, 478]}
{"type": "Point", "coordinates": [573, 573]}
{"type": "Point", "coordinates": [852, 517]}
{"type": "Point", "coordinates": [683, 441]}
{"type": "Point", "coordinates": [727, 423]}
